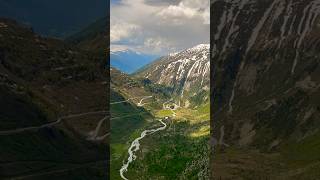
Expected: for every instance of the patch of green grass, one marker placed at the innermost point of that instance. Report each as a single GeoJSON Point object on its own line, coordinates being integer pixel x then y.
{"type": "Point", "coordinates": [201, 131]}
{"type": "Point", "coordinates": [117, 149]}
{"type": "Point", "coordinates": [164, 113]}
{"type": "Point", "coordinates": [303, 152]}
{"type": "Point", "coordinates": [204, 109]}
{"type": "Point", "coordinates": [296, 160]}
{"type": "Point", "coordinates": [169, 153]}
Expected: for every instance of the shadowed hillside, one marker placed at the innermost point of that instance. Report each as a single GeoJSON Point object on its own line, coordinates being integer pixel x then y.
{"type": "Point", "coordinates": [265, 89]}
{"type": "Point", "coordinates": [53, 98]}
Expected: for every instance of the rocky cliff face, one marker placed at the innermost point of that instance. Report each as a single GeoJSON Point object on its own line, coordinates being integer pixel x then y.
{"type": "Point", "coordinates": [187, 72]}
{"type": "Point", "coordinates": [265, 72]}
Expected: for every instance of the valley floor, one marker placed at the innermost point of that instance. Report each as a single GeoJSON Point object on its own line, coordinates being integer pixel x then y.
{"type": "Point", "coordinates": [180, 151]}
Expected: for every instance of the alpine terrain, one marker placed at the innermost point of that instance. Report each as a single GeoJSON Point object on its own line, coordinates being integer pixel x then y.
{"type": "Point", "coordinates": [160, 118]}
{"type": "Point", "coordinates": [265, 72]}
{"type": "Point", "coordinates": [187, 72]}
{"type": "Point", "coordinates": [53, 103]}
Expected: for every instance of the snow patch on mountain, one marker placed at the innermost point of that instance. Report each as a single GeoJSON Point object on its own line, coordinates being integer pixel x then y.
{"type": "Point", "coordinates": [187, 71]}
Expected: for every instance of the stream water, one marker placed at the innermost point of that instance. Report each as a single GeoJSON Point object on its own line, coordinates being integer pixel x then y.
{"type": "Point", "coordinates": [135, 146]}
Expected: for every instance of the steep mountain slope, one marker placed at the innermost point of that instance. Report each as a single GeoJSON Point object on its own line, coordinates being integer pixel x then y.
{"type": "Point", "coordinates": [265, 83]}
{"type": "Point", "coordinates": [130, 61]}
{"type": "Point", "coordinates": [52, 100]}
{"type": "Point", "coordinates": [187, 131]}
{"type": "Point", "coordinates": [29, 50]}
{"type": "Point", "coordinates": [131, 86]}
{"type": "Point", "coordinates": [18, 107]}
{"type": "Point", "coordinates": [55, 18]}
{"type": "Point", "coordinates": [92, 38]}
{"type": "Point", "coordinates": [187, 72]}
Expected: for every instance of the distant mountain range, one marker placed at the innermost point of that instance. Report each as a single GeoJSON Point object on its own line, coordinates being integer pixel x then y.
{"type": "Point", "coordinates": [129, 61]}
{"type": "Point", "coordinates": [57, 18]}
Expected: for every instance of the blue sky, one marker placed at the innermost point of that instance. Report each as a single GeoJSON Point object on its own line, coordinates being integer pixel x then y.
{"type": "Point", "coordinates": [159, 26]}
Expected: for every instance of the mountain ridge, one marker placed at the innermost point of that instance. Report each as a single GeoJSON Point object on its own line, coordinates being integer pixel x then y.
{"type": "Point", "coordinates": [184, 71]}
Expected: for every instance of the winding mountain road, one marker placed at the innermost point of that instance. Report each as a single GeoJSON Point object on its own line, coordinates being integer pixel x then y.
{"type": "Point", "coordinates": [59, 120]}
{"type": "Point", "coordinates": [143, 97]}
{"type": "Point", "coordinates": [93, 135]}
{"type": "Point", "coordinates": [140, 103]}
{"type": "Point", "coordinates": [130, 115]}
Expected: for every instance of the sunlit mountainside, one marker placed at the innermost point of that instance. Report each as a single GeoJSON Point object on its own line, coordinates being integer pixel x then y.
{"type": "Point", "coordinates": [179, 123]}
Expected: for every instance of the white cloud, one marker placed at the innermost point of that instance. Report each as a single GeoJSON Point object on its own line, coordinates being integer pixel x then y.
{"type": "Point", "coordinates": [160, 28]}
{"type": "Point", "coordinates": [122, 30]}
{"type": "Point", "coordinates": [159, 45]}
{"type": "Point", "coordinates": [178, 12]}
{"type": "Point", "coordinates": [206, 16]}
{"type": "Point", "coordinates": [186, 10]}
{"type": "Point", "coordinates": [116, 48]}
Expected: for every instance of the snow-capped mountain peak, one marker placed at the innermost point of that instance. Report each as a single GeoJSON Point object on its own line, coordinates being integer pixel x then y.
{"type": "Point", "coordinates": [200, 47]}
{"type": "Point", "coordinates": [187, 71]}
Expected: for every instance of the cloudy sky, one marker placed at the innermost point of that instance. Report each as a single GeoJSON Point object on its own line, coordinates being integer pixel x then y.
{"type": "Point", "coordinates": [159, 26]}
